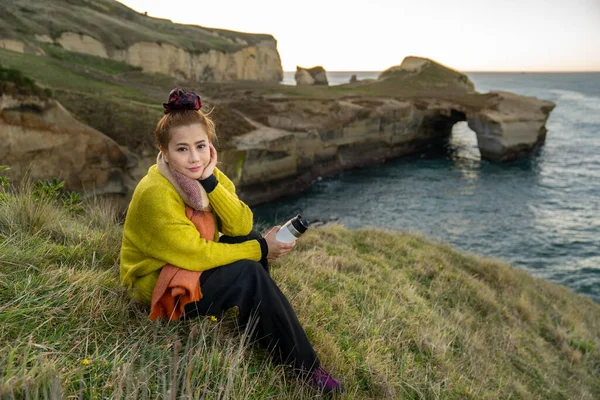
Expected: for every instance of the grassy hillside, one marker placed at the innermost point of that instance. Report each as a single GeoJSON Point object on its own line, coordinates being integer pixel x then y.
{"type": "Point", "coordinates": [112, 23]}
{"type": "Point", "coordinates": [394, 315]}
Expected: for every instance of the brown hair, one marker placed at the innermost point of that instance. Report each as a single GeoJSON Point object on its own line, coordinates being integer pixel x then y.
{"type": "Point", "coordinates": [175, 118]}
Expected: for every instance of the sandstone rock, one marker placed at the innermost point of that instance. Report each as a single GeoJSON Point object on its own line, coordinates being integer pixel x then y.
{"type": "Point", "coordinates": [303, 77]}
{"type": "Point", "coordinates": [514, 127]}
{"type": "Point", "coordinates": [43, 38]}
{"type": "Point", "coordinates": [81, 43]}
{"type": "Point", "coordinates": [311, 76]}
{"type": "Point", "coordinates": [353, 78]}
{"type": "Point", "coordinates": [319, 74]}
{"type": "Point", "coordinates": [42, 138]}
{"type": "Point", "coordinates": [12, 45]}
{"type": "Point", "coordinates": [273, 161]}
{"type": "Point", "coordinates": [20, 47]}
{"type": "Point", "coordinates": [414, 64]}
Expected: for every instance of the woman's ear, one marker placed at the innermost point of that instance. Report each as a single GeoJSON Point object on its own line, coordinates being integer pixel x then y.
{"type": "Point", "coordinates": [164, 153]}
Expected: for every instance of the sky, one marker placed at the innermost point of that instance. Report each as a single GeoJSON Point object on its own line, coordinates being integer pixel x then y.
{"type": "Point", "coordinates": [351, 35]}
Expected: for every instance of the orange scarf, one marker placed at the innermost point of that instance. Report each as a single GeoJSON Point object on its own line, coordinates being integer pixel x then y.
{"type": "Point", "coordinates": [177, 287]}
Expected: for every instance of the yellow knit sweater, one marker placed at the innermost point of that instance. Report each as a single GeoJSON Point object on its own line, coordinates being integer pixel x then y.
{"type": "Point", "coordinates": [157, 232]}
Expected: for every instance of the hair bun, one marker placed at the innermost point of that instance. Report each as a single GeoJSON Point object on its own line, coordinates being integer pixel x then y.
{"type": "Point", "coordinates": [179, 99]}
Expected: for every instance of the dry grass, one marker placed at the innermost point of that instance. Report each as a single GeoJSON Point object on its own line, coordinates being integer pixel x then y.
{"type": "Point", "coordinates": [393, 315]}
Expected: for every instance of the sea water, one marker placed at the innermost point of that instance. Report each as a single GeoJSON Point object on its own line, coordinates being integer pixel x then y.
{"type": "Point", "coordinates": [540, 214]}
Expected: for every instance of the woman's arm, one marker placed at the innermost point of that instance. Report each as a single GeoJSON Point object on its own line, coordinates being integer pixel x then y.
{"type": "Point", "coordinates": [235, 216]}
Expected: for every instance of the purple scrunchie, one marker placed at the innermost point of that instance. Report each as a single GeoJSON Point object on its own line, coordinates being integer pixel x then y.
{"type": "Point", "coordinates": [179, 99]}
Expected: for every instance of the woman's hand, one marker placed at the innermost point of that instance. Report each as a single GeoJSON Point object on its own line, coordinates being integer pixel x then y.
{"type": "Point", "coordinates": [277, 248]}
{"type": "Point", "coordinates": [210, 168]}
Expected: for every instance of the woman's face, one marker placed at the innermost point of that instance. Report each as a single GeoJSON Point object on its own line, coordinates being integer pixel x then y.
{"type": "Point", "coordinates": [189, 151]}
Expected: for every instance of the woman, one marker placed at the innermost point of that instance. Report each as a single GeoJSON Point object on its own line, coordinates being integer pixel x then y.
{"type": "Point", "coordinates": [172, 227]}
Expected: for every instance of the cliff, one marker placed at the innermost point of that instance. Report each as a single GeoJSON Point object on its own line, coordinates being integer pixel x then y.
{"type": "Point", "coordinates": [110, 30]}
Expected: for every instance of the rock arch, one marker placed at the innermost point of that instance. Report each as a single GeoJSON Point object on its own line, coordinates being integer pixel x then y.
{"type": "Point", "coordinates": [508, 127]}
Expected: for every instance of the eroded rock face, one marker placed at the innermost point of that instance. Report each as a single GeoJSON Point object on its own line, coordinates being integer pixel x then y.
{"type": "Point", "coordinates": [81, 43]}
{"type": "Point", "coordinates": [311, 76]}
{"type": "Point", "coordinates": [43, 38]}
{"type": "Point", "coordinates": [44, 138]}
{"type": "Point", "coordinates": [303, 77]}
{"type": "Point", "coordinates": [312, 139]}
{"type": "Point", "coordinates": [305, 139]}
{"type": "Point", "coordinates": [12, 45]}
{"type": "Point", "coordinates": [260, 62]}
{"type": "Point", "coordinates": [513, 128]}
{"type": "Point", "coordinates": [20, 47]}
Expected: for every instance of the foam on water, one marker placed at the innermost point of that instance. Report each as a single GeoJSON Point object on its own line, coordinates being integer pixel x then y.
{"type": "Point", "coordinates": [591, 102]}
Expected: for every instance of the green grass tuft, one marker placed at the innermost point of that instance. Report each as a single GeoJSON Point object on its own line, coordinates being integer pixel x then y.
{"type": "Point", "coordinates": [98, 64]}
{"type": "Point", "coordinates": [14, 81]}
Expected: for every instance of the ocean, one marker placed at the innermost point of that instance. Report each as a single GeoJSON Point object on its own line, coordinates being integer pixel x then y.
{"type": "Point", "coordinates": [540, 214]}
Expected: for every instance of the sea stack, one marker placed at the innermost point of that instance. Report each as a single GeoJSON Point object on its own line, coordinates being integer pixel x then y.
{"type": "Point", "coordinates": [311, 76]}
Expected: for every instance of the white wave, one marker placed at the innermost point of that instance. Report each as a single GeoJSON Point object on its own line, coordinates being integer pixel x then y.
{"type": "Point", "coordinates": [591, 102]}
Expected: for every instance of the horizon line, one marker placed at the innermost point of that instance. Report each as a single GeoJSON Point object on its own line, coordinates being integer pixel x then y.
{"type": "Point", "coordinates": [489, 71]}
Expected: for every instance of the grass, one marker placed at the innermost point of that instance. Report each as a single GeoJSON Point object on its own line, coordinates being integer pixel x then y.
{"type": "Point", "coordinates": [51, 73]}
{"type": "Point", "coordinates": [98, 64]}
{"type": "Point", "coordinates": [392, 314]}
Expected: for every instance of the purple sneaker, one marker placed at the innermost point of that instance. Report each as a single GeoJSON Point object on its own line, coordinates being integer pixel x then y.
{"type": "Point", "coordinates": [323, 382]}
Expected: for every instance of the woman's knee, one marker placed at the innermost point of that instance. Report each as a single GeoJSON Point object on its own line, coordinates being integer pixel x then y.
{"type": "Point", "coordinates": [254, 268]}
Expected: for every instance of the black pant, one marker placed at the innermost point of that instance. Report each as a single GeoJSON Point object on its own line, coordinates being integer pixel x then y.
{"type": "Point", "coordinates": [248, 285]}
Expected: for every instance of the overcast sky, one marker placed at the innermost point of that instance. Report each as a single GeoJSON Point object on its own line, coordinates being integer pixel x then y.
{"type": "Point", "coordinates": [351, 35]}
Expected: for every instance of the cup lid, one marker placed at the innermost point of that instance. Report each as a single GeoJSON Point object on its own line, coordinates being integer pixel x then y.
{"type": "Point", "coordinates": [299, 223]}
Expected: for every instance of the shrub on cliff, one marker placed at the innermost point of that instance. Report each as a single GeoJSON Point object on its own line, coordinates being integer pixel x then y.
{"type": "Point", "coordinates": [394, 315]}
{"type": "Point", "coordinates": [14, 82]}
